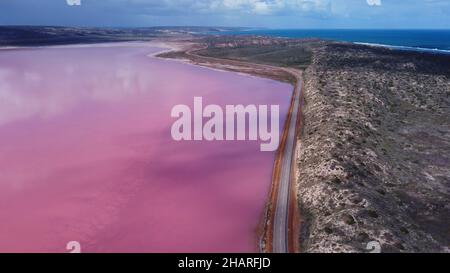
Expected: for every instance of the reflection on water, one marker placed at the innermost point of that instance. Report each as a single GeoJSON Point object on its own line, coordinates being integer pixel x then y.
{"type": "Point", "coordinates": [33, 88]}
{"type": "Point", "coordinates": [87, 154]}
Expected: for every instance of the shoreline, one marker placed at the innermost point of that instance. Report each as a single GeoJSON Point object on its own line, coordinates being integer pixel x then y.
{"type": "Point", "coordinates": [407, 48]}
{"type": "Point", "coordinates": [267, 221]}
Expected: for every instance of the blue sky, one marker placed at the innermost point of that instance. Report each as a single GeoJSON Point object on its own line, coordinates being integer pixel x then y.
{"type": "Point", "coordinates": [410, 14]}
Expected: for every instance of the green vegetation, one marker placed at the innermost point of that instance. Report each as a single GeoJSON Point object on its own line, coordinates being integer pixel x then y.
{"type": "Point", "coordinates": [278, 52]}
{"type": "Point", "coordinates": [297, 57]}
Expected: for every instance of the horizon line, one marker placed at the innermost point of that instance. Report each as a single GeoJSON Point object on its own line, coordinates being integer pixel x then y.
{"type": "Point", "coordinates": [232, 27]}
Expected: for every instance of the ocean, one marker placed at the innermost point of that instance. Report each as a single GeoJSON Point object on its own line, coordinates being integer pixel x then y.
{"type": "Point", "coordinates": [423, 40]}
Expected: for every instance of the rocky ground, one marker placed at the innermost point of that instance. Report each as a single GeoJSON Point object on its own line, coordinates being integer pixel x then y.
{"type": "Point", "coordinates": [374, 156]}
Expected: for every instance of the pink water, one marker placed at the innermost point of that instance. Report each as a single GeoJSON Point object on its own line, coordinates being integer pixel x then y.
{"type": "Point", "coordinates": [86, 154]}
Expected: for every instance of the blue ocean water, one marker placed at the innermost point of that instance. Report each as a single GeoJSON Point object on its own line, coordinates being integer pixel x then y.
{"type": "Point", "coordinates": [435, 40]}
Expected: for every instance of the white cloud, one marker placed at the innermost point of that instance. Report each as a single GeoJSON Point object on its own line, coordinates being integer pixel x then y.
{"type": "Point", "coordinates": [374, 2]}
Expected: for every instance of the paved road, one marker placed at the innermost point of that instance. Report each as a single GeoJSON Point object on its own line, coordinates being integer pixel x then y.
{"type": "Point", "coordinates": [280, 242]}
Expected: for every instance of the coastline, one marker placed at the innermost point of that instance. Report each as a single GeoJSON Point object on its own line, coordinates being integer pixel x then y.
{"type": "Point", "coordinates": [407, 48]}
{"type": "Point", "coordinates": [370, 37]}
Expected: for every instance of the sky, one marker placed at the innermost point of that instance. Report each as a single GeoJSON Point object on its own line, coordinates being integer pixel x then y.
{"type": "Point", "coordinates": [365, 14]}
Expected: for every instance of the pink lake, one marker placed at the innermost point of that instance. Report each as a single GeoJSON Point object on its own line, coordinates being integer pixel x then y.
{"type": "Point", "coordinates": [86, 154]}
